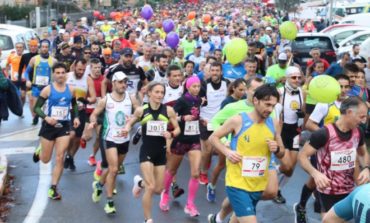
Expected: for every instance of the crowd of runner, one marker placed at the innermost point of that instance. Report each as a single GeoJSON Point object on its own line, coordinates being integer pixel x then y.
{"type": "Point", "coordinates": [121, 82]}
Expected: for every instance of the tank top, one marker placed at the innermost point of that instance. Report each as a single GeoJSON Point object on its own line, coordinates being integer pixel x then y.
{"type": "Point", "coordinates": [59, 104]}
{"type": "Point", "coordinates": [214, 100]}
{"type": "Point", "coordinates": [80, 85]}
{"type": "Point", "coordinates": [42, 71]}
{"type": "Point", "coordinates": [97, 87]}
{"type": "Point", "coordinates": [252, 173]}
{"type": "Point", "coordinates": [332, 115]}
{"type": "Point", "coordinates": [115, 116]}
{"type": "Point", "coordinates": [158, 77]}
{"type": "Point", "coordinates": [337, 161]}
{"type": "Point", "coordinates": [172, 94]}
{"type": "Point", "coordinates": [154, 124]}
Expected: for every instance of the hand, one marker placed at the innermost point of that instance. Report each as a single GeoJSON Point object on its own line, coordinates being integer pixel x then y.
{"type": "Point", "coordinates": [50, 121]}
{"type": "Point", "coordinates": [28, 84]}
{"type": "Point", "coordinates": [76, 123]}
{"type": "Point", "coordinates": [187, 118]}
{"type": "Point", "coordinates": [125, 132]}
{"type": "Point", "coordinates": [167, 135]}
{"type": "Point", "coordinates": [233, 156]}
{"type": "Point", "coordinates": [203, 100]}
{"type": "Point", "coordinates": [363, 177]}
{"type": "Point", "coordinates": [227, 143]}
{"type": "Point", "coordinates": [282, 80]}
{"type": "Point", "coordinates": [91, 125]}
{"type": "Point", "coordinates": [273, 145]}
{"type": "Point", "coordinates": [321, 180]}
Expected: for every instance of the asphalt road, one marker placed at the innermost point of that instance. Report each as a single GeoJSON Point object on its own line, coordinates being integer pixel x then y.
{"type": "Point", "coordinates": [18, 138]}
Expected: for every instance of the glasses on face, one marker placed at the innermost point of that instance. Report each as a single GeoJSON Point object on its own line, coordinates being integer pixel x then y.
{"type": "Point", "coordinates": [296, 77]}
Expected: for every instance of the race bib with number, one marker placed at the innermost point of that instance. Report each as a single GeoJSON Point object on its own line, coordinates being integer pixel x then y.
{"type": "Point", "coordinates": [343, 160]}
{"type": "Point", "coordinates": [117, 134]}
{"type": "Point", "coordinates": [156, 128]}
{"type": "Point", "coordinates": [42, 80]}
{"type": "Point", "coordinates": [209, 126]}
{"type": "Point", "coordinates": [59, 113]}
{"type": "Point", "coordinates": [254, 166]}
{"type": "Point", "coordinates": [191, 128]}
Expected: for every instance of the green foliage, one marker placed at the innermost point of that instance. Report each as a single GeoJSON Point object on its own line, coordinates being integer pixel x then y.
{"type": "Point", "coordinates": [16, 12]}
{"type": "Point", "coordinates": [287, 5]}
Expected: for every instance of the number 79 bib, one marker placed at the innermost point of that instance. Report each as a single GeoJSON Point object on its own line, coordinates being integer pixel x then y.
{"type": "Point", "coordinates": [254, 166]}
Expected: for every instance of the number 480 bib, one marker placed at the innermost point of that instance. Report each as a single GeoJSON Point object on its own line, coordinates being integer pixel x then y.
{"type": "Point", "coordinates": [254, 166]}
{"type": "Point", "coordinates": [343, 159]}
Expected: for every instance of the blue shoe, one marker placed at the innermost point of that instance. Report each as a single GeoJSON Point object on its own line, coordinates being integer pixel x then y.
{"type": "Point", "coordinates": [211, 193]}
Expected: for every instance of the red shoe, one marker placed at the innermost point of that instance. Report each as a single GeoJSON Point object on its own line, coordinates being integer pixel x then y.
{"type": "Point", "coordinates": [83, 143]}
{"type": "Point", "coordinates": [92, 161]}
{"type": "Point", "coordinates": [203, 178]}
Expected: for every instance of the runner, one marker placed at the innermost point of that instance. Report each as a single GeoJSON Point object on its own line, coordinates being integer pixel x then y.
{"type": "Point", "coordinates": [117, 108]}
{"type": "Point", "coordinates": [187, 107]}
{"type": "Point", "coordinates": [154, 118]}
{"type": "Point", "coordinates": [338, 146]}
{"type": "Point", "coordinates": [55, 127]}
{"type": "Point", "coordinates": [158, 72]}
{"type": "Point", "coordinates": [245, 181]}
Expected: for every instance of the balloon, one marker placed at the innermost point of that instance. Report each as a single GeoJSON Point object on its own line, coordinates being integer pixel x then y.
{"type": "Point", "coordinates": [96, 13]}
{"type": "Point", "coordinates": [146, 12]}
{"type": "Point", "coordinates": [191, 15]}
{"type": "Point", "coordinates": [206, 18]}
{"type": "Point", "coordinates": [236, 50]}
{"type": "Point", "coordinates": [101, 17]}
{"type": "Point", "coordinates": [168, 25]}
{"type": "Point", "coordinates": [172, 39]}
{"type": "Point", "coordinates": [113, 15]}
{"type": "Point", "coordinates": [324, 89]}
{"type": "Point", "coordinates": [288, 30]}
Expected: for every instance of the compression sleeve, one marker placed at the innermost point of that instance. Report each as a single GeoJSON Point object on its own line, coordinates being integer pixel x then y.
{"type": "Point", "coordinates": [219, 119]}
{"type": "Point", "coordinates": [27, 72]}
{"type": "Point", "coordinates": [74, 107]}
{"type": "Point", "coordinates": [38, 107]}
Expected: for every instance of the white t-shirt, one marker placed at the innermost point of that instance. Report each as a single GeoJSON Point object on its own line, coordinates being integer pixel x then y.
{"type": "Point", "coordinates": [321, 110]}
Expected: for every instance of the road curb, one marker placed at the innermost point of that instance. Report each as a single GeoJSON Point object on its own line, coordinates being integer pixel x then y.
{"type": "Point", "coordinates": [3, 173]}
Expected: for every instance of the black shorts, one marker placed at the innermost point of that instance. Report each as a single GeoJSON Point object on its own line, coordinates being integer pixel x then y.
{"type": "Point", "coordinates": [180, 148]}
{"type": "Point", "coordinates": [80, 129]}
{"type": "Point", "coordinates": [50, 132]}
{"type": "Point", "coordinates": [154, 154]}
{"type": "Point", "coordinates": [328, 201]}
{"type": "Point", "coordinates": [122, 149]}
{"type": "Point", "coordinates": [20, 84]}
{"type": "Point", "coordinates": [204, 133]}
{"type": "Point", "coordinates": [288, 133]}
{"type": "Point", "coordinates": [309, 109]}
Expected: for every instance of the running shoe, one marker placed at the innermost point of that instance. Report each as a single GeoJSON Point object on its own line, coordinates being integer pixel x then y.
{"type": "Point", "coordinates": [203, 179]}
{"type": "Point", "coordinates": [279, 199]}
{"type": "Point", "coordinates": [82, 143]}
{"type": "Point", "coordinates": [114, 191]}
{"type": "Point", "coordinates": [137, 136]}
{"type": "Point", "coordinates": [97, 191]}
{"type": "Point", "coordinates": [299, 214]}
{"type": "Point", "coordinates": [212, 218]}
{"type": "Point", "coordinates": [164, 202]}
{"type": "Point", "coordinates": [191, 210]}
{"type": "Point", "coordinates": [136, 189]}
{"type": "Point", "coordinates": [148, 221]}
{"type": "Point", "coordinates": [36, 154]}
{"type": "Point", "coordinates": [98, 171]}
{"type": "Point", "coordinates": [121, 169]}
{"type": "Point", "coordinates": [53, 194]}
{"type": "Point", "coordinates": [72, 166]}
{"type": "Point", "coordinates": [110, 208]}
{"type": "Point", "coordinates": [92, 160]}
{"type": "Point", "coordinates": [211, 193]}
{"type": "Point", "coordinates": [176, 190]}
{"type": "Point", "coordinates": [67, 161]}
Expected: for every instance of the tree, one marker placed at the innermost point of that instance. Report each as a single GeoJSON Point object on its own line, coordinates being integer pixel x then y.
{"type": "Point", "coordinates": [287, 5]}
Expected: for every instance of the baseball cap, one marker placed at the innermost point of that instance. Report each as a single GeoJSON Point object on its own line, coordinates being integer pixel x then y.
{"type": "Point", "coordinates": [127, 51]}
{"type": "Point", "coordinates": [119, 76]}
{"type": "Point", "coordinates": [268, 28]}
{"type": "Point", "coordinates": [283, 57]}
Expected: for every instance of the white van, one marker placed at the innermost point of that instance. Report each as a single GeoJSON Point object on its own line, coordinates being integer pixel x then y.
{"type": "Point", "coordinates": [361, 19]}
{"type": "Point", "coordinates": [12, 34]}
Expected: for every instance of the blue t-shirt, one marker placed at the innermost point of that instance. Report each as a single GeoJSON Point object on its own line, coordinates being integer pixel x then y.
{"type": "Point", "coordinates": [334, 70]}
{"type": "Point", "coordinates": [231, 72]}
{"type": "Point", "coordinates": [355, 91]}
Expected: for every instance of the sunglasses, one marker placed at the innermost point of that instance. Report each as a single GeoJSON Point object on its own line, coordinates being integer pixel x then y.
{"type": "Point", "coordinates": [296, 77]}
{"type": "Point", "coordinates": [87, 52]}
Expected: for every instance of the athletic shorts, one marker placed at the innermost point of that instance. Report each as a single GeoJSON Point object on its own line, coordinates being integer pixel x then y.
{"type": "Point", "coordinates": [328, 201]}
{"type": "Point", "coordinates": [344, 208]}
{"type": "Point", "coordinates": [204, 133]}
{"type": "Point", "coordinates": [154, 154]}
{"type": "Point", "coordinates": [36, 90]}
{"type": "Point", "coordinates": [20, 85]}
{"type": "Point", "coordinates": [309, 109]}
{"type": "Point", "coordinates": [50, 132]}
{"type": "Point", "coordinates": [290, 136]}
{"type": "Point", "coordinates": [243, 202]}
{"type": "Point", "coordinates": [122, 149]}
{"type": "Point", "coordinates": [80, 129]}
{"type": "Point", "coordinates": [180, 148]}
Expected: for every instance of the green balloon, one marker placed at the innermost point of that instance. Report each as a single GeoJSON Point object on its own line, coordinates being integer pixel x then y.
{"type": "Point", "coordinates": [324, 89]}
{"type": "Point", "coordinates": [288, 30]}
{"type": "Point", "coordinates": [236, 50]}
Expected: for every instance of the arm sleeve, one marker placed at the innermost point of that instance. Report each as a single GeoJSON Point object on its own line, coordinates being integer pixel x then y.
{"type": "Point", "coordinates": [75, 107]}
{"type": "Point", "coordinates": [27, 72]}
{"type": "Point", "coordinates": [38, 107]}
{"type": "Point", "coordinates": [319, 138]}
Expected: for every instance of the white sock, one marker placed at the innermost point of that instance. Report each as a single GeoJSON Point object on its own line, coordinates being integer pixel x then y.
{"type": "Point", "coordinates": [218, 219]}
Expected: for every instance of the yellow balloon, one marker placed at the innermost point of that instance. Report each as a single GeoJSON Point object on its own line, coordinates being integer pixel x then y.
{"type": "Point", "coordinates": [324, 89]}
{"type": "Point", "coordinates": [236, 50]}
{"type": "Point", "coordinates": [288, 30]}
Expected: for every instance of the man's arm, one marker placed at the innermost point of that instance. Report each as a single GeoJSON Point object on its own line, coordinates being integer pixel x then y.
{"type": "Point", "coordinates": [97, 111]}
{"type": "Point", "coordinates": [91, 88]}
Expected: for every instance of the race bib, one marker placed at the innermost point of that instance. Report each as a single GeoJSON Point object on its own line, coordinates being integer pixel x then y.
{"type": "Point", "coordinates": [191, 128]}
{"type": "Point", "coordinates": [254, 166]}
{"type": "Point", "coordinates": [343, 160]}
{"type": "Point", "coordinates": [42, 80]}
{"type": "Point", "coordinates": [156, 128]}
{"type": "Point", "coordinates": [59, 113]}
{"type": "Point", "coordinates": [209, 127]}
{"type": "Point", "coordinates": [117, 134]}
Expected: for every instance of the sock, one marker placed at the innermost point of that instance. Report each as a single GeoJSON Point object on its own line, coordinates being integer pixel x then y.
{"type": "Point", "coordinates": [212, 186]}
{"type": "Point", "coordinates": [110, 201]}
{"type": "Point", "coordinates": [305, 195]}
{"type": "Point", "coordinates": [99, 185]}
{"type": "Point", "coordinates": [167, 181]}
{"type": "Point", "coordinates": [218, 218]}
{"type": "Point", "coordinates": [283, 180]}
{"type": "Point", "coordinates": [54, 187]}
{"type": "Point", "coordinates": [192, 188]}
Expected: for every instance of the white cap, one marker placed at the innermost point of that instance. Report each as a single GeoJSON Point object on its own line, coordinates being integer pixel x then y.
{"type": "Point", "coordinates": [283, 56]}
{"type": "Point", "coordinates": [268, 28]}
{"type": "Point", "coordinates": [288, 48]}
{"type": "Point", "coordinates": [292, 70]}
{"type": "Point", "coordinates": [62, 31]}
{"type": "Point", "coordinates": [138, 29]}
{"type": "Point", "coordinates": [119, 76]}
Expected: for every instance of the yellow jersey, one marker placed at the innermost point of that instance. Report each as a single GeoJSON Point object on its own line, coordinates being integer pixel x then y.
{"type": "Point", "coordinates": [332, 115]}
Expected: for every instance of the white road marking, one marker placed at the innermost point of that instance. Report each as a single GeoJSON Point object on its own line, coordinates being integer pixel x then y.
{"type": "Point", "coordinates": [31, 129]}
{"type": "Point", "coordinates": [17, 150]}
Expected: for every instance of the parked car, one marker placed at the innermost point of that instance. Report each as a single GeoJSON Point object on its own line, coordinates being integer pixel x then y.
{"type": "Point", "coordinates": [358, 38]}
{"type": "Point", "coordinates": [336, 27]}
{"type": "Point", "coordinates": [341, 34]}
{"type": "Point", "coordinates": [10, 35]}
{"type": "Point", "coordinates": [304, 42]}
{"type": "Point", "coordinates": [361, 19]}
